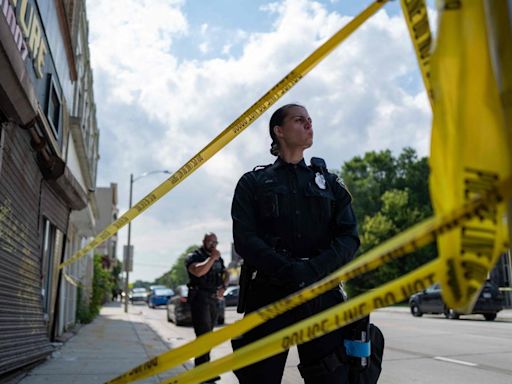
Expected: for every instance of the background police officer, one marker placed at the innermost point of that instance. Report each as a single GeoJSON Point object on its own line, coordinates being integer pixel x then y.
{"type": "Point", "coordinates": [207, 282]}
{"type": "Point", "coordinates": [294, 225]}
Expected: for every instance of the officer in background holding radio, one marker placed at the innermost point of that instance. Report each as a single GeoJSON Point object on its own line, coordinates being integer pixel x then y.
{"type": "Point", "coordinates": [207, 282]}
{"type": "Point", "coordinates": [293, 224]}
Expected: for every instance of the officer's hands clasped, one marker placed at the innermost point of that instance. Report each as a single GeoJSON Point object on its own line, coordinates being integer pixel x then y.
{"type": "Point", "coordinates": [299, 274]}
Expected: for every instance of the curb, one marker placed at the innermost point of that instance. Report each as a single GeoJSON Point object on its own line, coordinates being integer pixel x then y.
{"type": "Point", "coordinates": [503, 314]}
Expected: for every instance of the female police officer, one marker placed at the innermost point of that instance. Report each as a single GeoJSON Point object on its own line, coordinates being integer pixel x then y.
{"type": "Point", "coordinates": [293, 224]}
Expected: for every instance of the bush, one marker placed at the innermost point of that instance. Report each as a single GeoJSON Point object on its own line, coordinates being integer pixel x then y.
{"type": "Point", "coordinates": [83, 312]}
{"type": "Point", "coordinates": [102, 284]}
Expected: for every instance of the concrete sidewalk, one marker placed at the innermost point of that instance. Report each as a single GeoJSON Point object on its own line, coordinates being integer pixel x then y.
{"type": "Point", "coordinates": [109, 346]}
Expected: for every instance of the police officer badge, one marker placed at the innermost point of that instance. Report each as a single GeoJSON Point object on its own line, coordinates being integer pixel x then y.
{"type": "Point", "coordinates": [320, 180]}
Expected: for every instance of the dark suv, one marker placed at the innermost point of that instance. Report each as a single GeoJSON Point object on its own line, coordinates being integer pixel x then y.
{"type": "Point", "coordinates": [489, 303]}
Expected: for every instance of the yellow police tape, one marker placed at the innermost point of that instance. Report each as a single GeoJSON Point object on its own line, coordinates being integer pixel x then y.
{"type": "Point", "coordinates": [233, 130]}
{"type": "Point", "coordinates": [70, 279]}
{"type": "Point", "coordinates": [318, 325]}
{"type": "Point", "coordinates": [315, 326]}
{"type": "Point", "coordinates": [464, 158]}
{"type": "Point", "coordinates": [416, 17]}
{"type": "Point", "coordinates": [406, 242]}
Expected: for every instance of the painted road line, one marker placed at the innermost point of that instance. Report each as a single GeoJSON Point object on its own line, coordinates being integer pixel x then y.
{"type": "Point", "coordinates": [455, 361]}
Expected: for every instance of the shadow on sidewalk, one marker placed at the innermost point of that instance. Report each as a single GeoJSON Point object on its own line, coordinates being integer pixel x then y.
{"type": "Point", "coordinates": [109, 346]}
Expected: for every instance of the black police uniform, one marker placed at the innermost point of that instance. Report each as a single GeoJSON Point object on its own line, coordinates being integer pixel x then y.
{"type": "Point", "coordinates": [202, 295]}
{"type": "Point", "coordinates": [295, 225]}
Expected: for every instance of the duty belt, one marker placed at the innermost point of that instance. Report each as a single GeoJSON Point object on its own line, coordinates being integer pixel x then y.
{"type": "Point", "coordinates": [202, 290]}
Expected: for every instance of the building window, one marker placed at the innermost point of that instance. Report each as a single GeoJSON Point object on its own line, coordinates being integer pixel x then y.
{"type": "Point", "coordinates": [53, 107]}
{"type": "Point", "coordinates": [53, 246]}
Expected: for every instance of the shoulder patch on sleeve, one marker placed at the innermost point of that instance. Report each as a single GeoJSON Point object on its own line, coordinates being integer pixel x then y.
{"type": "Point", "coordinates": [340, 181]}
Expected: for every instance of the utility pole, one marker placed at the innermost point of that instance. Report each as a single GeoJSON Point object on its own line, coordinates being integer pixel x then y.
{"type": "Point", "coordinates": [128, 250]}
{"type": "Point", "coordinates": [127, 261]}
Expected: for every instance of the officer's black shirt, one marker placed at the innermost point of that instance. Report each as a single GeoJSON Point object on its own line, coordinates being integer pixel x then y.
{"type": "Point", "coordinates": [282, 214]}
{"type": "Point", "coordinates": [213, 279]}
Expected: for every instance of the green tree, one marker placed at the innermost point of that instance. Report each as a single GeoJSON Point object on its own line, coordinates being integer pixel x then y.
{"type": "Point", "coordinates": [116, 272]}
{"type": "Point", "coordinates": [368, 178]}
{"type": "Point", "coordinates": [389, 195]}
{"type": "Point", "coordinates": [177, 275]}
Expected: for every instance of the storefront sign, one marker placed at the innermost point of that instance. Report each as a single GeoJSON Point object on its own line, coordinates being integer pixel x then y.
{"type": "Point", "coordinates": [26, 29]}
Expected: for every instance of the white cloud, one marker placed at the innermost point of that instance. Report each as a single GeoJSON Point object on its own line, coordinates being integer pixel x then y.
{"type": "Point", "coordinates": [226, 49]}
{"type": "Point", "coordinates": [204, 47]}
{"type": "Point", "coordinates": [158, 110]}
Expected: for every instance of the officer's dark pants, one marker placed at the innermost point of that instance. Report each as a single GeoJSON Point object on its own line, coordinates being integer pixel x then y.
{"type": "Point", "coordinates": [270, 370]}
{"type": "Point", "coordinates": [203, 307]}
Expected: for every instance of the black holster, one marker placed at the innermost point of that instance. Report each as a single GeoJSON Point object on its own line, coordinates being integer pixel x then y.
{"type": "Point", "coordinates": [246, 273]}
{"type": "Point", "coordinates": [360, 371]}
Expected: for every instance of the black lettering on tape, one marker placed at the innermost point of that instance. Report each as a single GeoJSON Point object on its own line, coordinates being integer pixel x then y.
{"type": "Point", "coordinates": [105, 234]}
{"type": "Point", "coordinates": [287, 303]}
{"type": "Point", "coordinates": [413, 6]}
{"type": "Point", "coordinates": [420, 26]}
{"type": "Point", "coordinates": [303, 335]}
{"type": "Point", "coordinates": [487, 212]}
{"type": "Point", "coordinates": [430, 279]}
{"type": "Point", "coordinates": [478, 182]}
{"type": "Point", "coordinates": [470, 291]}
{"type": "Point", "coordinates": [145, 202]}
{"type": "Point", "coordinates": [452, 4]}
{"type": "Point", "coordinates": [473, 270]}
{"type": "Point", "coordinates": [358, 271]}
{"type": "Point", "coordinates": [121, 222]}
{"type": "Point", "coordinates": [418, 18]}
{"type": "Point", "coordinates": [478, 241]}
{"type": "Point", "coordinates": [324, 287]}
{"type": "Point", "coordinates": [384, 301]}
{"type": "Point", "coordinates": [144, 367]}
{"type": "Point", "coordinates": [354, 312]}
{"type": "Point", "coordinates": [417, 285]}
{"type": "Point", "coordinates": [275, 309]}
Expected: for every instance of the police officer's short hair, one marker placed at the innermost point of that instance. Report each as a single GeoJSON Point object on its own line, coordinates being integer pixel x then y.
{"type": "Point", "coordinates": [208, 234]}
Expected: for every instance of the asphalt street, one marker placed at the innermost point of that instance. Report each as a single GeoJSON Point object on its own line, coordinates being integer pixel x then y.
{"type": "Point", "coordinates": [430, 349]}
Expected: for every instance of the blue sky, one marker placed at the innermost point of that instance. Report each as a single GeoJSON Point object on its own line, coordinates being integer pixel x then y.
{"type": "Point", "coordinates": [170, 75]}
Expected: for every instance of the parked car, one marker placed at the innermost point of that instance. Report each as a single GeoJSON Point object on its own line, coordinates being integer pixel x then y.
{"type": "Point", "coordinates": [138, 295]}
{"type": "Point", "coordinates": [231, 295]}
{"type": "Point", "coordinates": [159, 296]}
{"type": "Point", "coordinates": [489, 303]}
{"type": "Point", "coordinates": [151, 287]}
{"type": "Point", "coordinates": [178, 308]}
